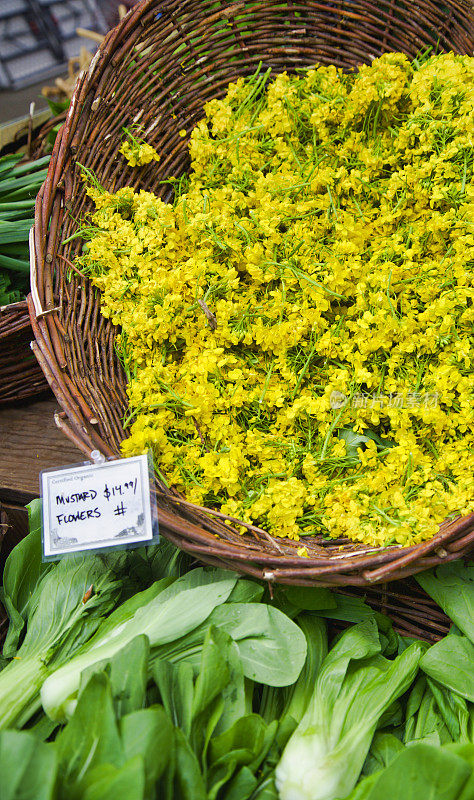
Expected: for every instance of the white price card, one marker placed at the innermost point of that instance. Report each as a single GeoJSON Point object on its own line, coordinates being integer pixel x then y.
{"type": "Point", "coordinates": [93, 506]}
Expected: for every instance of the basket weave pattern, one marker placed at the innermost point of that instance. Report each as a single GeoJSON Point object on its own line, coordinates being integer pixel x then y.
{"type": "Point", "coordinates": [20, 374]}
{"type": "Point", "coordinates": [158, 68]}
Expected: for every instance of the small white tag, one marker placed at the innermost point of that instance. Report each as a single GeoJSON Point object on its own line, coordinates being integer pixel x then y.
{"type": "Point", "coordinates": [96, 505]}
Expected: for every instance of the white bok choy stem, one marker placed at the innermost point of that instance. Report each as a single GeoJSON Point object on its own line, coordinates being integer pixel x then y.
{"type": "Point", "coordinates": [356, 685]}
{"type": "Point", "coordinates": [20, 683]}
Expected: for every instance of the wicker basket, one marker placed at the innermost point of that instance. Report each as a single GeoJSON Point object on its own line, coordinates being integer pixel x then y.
{"type": "Point", "coordinates": [158, 68]}
{"type": "Point", "coordinates": [21, 376]}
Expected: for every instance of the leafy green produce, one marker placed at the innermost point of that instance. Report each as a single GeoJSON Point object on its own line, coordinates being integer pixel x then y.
{"type": "Point", "coordinates": [196, 702]}
{"type": "Point", "coordinates": [452, 586]}
{"type": "Point", "coordinates": [356, 685]}
{"type": "Point", "coordinates": [271, 646]}
{"type": "Point", "coordinates": [112, 739]}
{"type": "Point", "coordinates": [221, 746]}
{"type": "Point", "coordinates": [464, 750]}
{"type": "Point", "coordinates": [100, 753]}
{"type": "Point", "coordinates": [189, 782]}
{"type": "Point", "coordinates": [332, 605]}
{"type": "Point", "coordinates": [175, 618]}
{"type": "Point", "coordinates": [48, 599]}
{"type": "Point", "coordinates": [312, 598]}
{"type": "Point", "coordinates": [298, 695]}
{"type": "Point", "coordinates": [146, 733]}
{"type": "Point", "coordinates": [420, 771]}
{"type": "Point", "coordinates": [182, 746]}
{"type": "Point", "coordinates": [50, 619]}
{"type": "Point", "coordinates": [21, 576]}
{"type": "Point", "coordinates": [19, 185]}
{"type": "Point", "coordinates": [92, 736]}
{"type": "Point", "coordinates": [8, 294]}
{"type": "Point", "coordinates": [289, 703]}
{"type": "Point", "coordinates": [455, 712]}
{"type": "Point", "coordinates": [423, 721]}
{"type": "Point", "coordinates": [450, 662]}
{"type": "Point", "coordinates": [28, 767]}
{"type": "Point", "coordinates": [109, 783]}
{"type": "Point", "coordinates": [169, 612]}
{"type": "Point", "coordinates": [384, 748]}
{"type": "Point", "coordinates": [179, 683]}
{"type": "Point", "coordinates": [128, 673]}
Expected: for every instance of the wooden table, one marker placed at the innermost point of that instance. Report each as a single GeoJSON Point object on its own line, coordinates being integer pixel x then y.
{"type": "Point", "coordinates": [29, 443]}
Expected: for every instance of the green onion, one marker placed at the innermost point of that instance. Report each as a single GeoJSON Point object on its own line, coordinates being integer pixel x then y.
{"type": "Point", "coordinates": [19, 185]}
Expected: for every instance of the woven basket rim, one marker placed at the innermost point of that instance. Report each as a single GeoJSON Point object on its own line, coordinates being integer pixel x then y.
{"type": "Point", "coordinates": [410, 609]}
{"type": "Point", "coordinates": [189, 526]}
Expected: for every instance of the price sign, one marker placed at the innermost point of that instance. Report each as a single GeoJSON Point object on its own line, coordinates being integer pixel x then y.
{"type": "Point", "coordinates": [93, 506]}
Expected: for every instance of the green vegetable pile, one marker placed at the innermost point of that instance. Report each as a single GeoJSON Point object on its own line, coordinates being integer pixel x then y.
{"type": "Point", "coordinates": [139, 675]}
{"type": "Point", "coordinates": [19, 185]}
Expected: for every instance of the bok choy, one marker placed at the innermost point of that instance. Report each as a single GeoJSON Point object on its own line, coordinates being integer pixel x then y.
{"type": "Point", "coordinates": [53, 603]}
{"type": "Point", "coordinates": [356, 685]}
{"type": "Point", "coordinates": [175, 619]}
{"type": "Point", "coordinates": [163, 613]}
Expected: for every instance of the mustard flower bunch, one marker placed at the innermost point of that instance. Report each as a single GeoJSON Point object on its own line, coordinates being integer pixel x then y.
{"type": "Point", "coordinates": [297, 327]}
{"type": "Point", "coordinates": [136, 151]}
